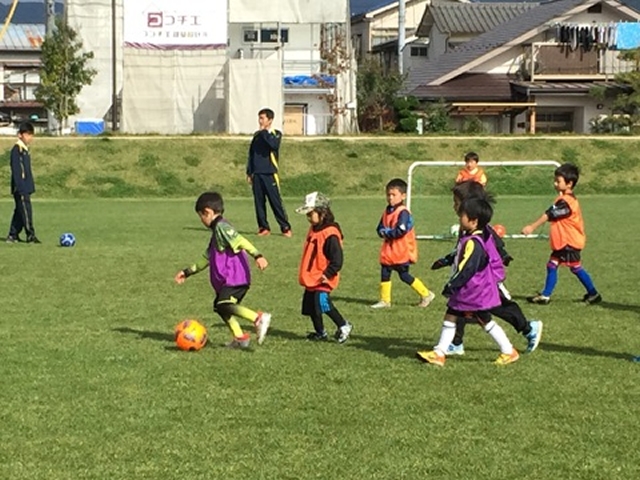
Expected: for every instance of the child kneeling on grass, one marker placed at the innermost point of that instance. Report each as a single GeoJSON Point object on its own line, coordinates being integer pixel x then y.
{"type": "Point", "coordinates": [229, 270]}
{"type": "Point", "coordinates": [320, 266]}
{"type": "Point", "coordinates": [473, 286]}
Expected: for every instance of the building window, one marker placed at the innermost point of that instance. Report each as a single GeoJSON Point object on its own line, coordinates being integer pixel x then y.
{"type": "Point", "coordinates": [270, 35]}
{"type": "Point", "coordinates": [250, 36]}
{"type": "Point", "coordinates": [418, 51]}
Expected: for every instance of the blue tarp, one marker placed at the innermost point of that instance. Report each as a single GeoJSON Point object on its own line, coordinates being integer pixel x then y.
{"type": "Point", "coordinates": [310, 80]}
{"type": "Point", "coordinates": [93, 126]}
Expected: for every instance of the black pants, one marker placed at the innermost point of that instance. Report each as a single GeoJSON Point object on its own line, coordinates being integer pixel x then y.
{"type": "Point", "coordinates": [22, 217]}
{"type": "Point", "coordinates": [265, 187]}
{"type": "Point", "coordinates": [508, 310]}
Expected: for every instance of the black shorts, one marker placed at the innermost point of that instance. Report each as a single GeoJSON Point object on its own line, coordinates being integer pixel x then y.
{"type": "Point", "coordinates": [567, 256]}
{"type": "Point", "coordinates": [230, 295]}
{"type": "Point", "coordinates": [315, 303]}
{"type": "Point", "coordinates": [481, 316]}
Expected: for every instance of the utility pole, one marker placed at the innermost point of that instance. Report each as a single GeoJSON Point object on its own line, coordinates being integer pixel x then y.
{"type": "Point", "coordinates": [401, 34]}
{"type": "Point", "coordinates": [114, 64]}
{"type": "Point", "coordinates": [50, 15]}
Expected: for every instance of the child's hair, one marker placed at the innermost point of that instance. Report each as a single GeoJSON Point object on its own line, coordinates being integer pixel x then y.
{"type": "Point", "coordinates": [471, 189]}
{"type": "Point", "coordinates": [477, 208]}
{"type": "Point", "coordinates": [326, 215]}
{"type": "Point", "coordinates": [398, 184]}
{"type": "Point", "coordinates": [569, 172]}
{"type": "Point", "coordinates": [471, 156]}
{"type": "Point", "coordinates": [267, 112]}
{"type": "Point", "coordinates": [212, 200]}
{"type": "Point", "coordinates": [26, 127]}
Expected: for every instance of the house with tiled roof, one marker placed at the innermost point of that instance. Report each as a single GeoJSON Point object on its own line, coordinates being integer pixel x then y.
{"type": "Point", "coordinates": [536, 71]}
{"type": "Point", "coordinates": [375, 22]}
{"type": "Point", "coordinates": [20, 73]}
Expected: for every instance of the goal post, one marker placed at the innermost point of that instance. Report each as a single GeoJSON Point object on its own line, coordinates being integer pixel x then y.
{"type": "Point", "coordinates": [507, 163]}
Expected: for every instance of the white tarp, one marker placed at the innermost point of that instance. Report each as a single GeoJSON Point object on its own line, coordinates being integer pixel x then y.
{"type": "Point", "coordinates": [173, 91]}
{"type": "Point", "coordinates": [253, 84]}
{"type": "Point", "coordinates": [288, 11]}
{"type": "Point", "coordinates": [172, 23]}
{"type": "Point", "coordinates": [92, 20]}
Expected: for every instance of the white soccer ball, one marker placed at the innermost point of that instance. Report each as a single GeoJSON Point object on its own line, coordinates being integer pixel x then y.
{"type": "Point", "coordinates": [454, 230]}
{"type": "Point", "coordinates": [67, 240]}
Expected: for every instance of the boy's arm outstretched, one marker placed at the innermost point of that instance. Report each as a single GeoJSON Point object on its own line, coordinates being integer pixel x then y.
{"type": "Point", "coordinates": [197, 267]}
{"type": "Point", "coordinates": [557, 211]}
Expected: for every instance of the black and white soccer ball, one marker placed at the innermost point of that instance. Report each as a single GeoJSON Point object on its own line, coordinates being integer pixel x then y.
{"type": "Point", "coordinates": [67, 240]}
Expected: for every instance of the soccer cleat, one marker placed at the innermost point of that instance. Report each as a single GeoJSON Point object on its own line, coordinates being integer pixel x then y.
{"type": "Point", "coordinates": [263, 232]}
{"type": "Point", "coordinates": [241, 342]}
{"type": "Point", "coordinates": [342, 334]}
{"type": "Point", "coordinates": [287, 233]}
{"type": "Point", "coordinates": [507, 358]}
{"type": "Point", "coordinates": [12, 239]}
{"type": "Point", "coordinates": [262, 325]}
{"type": "Point", "coordinates": [317, 337]}
{"type": "Point", "coordinates": [591, 299]}
{"type": "Point", "coordinates": [539, 299]}
{"type": "Point", "coordinates": [432, 357]}
{"type": "Point", "coordinates": [455, 350]}
{"type": "Point", "coordinates": [426, 301]}
{"type": "Point", "coordinates": [33, 239]}
{"type": "Point", "coordinates": [381, 304]}
{"type": "Point", "coordinates": [534, 336]}
{"type": "Point", "coordinates": [636, 359]}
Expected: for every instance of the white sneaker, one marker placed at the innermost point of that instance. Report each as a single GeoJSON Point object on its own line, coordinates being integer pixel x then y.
{"type": "Point", "coordinates": [426, 301]}
{"type": "Point", "coordinates": [455, 350]}
{"type": "Point", "coordinates": [262, 325]}
{"type": "Point", "coordinates": [381, 304]}
{"type": "Point", "coordinates": [342, 334]}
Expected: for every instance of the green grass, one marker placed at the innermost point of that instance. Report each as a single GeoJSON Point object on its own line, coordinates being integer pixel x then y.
{"type": "Point", "coordinates": [185, 166]}
{"type": "Point", "coordinates": [93, 388]}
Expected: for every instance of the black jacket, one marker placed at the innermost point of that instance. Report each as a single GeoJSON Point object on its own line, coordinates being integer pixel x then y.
{"type": "Point", "coordinates": [21, 177]}
{"type": "Point", "coordinates": [264, 152]}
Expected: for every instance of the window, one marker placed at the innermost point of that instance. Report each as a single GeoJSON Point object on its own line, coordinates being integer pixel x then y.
{"type": "Point", "coordinates": [418, 51]}
{"type": "Point", "coordinates": [250, 36]}
{"type": "Point", "coordinates": [270, 35]}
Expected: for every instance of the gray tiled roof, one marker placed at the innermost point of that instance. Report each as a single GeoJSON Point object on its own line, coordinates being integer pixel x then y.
{"type": "Point", "coordinates": [453, 17]}
{"type": "Point", "coordinates": [436, 68]}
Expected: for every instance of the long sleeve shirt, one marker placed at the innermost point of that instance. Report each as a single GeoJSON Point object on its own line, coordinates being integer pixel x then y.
{"type": "Point", "coordinates": [264, 153]}
{"type": "Point", "coordinates": [21, 177]}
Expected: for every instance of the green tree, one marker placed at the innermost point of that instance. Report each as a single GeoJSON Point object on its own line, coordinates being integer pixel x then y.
{"type": "Point", "coordinates": [377, 91]}
{"type": "Point", "coordinates": [629, 100]}
{"type": "Point", "coordinates": [64, 72]}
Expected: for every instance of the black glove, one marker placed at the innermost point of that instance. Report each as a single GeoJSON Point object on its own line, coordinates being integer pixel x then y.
{"type": "Point", "coordinates": [507, 260]}
{"type": "Point", "coordinates": [440, 263]}
{"type": "Point", "coordinates": [446, 291]}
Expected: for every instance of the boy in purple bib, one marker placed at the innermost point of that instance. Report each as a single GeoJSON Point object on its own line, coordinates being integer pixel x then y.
{"type": "Point", "coordinates": [473, 287]}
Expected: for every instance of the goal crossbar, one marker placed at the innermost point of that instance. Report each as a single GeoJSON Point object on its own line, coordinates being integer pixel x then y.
{"type": "Point", "coordinates": [506, 163]}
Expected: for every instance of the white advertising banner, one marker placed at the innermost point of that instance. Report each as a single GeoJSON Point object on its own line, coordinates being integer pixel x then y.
{"type": "Point", "coordinates": [175, 23]}
{"type": "Point", "coordinates": [288, 11]}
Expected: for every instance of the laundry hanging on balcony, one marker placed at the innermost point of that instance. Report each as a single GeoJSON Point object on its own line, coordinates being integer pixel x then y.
{"type": "Point", "coordinates": [587, 37]}
{"type": "Point", "coordinates": [628, 36]}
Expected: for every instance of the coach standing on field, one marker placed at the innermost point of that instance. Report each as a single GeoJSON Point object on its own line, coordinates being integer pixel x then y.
{"type": "Point", "coordinates": [262, 174]}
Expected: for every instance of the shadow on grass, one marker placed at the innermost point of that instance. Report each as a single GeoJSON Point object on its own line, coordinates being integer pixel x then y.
{"type": "Point", "coordinates": [359, 301]}
{"type": "Point", "coordinates": [147, 334]}
{"type": "Point", "coordinates": [588, 351]}
{"type": "Point", "coordinates": [620, 307]}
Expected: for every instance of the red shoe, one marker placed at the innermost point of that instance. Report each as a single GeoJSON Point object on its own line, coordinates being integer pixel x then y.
{"type": "Point", "coordinates": [288, 234]}
{"type": "Point", "coordinates": [263, 232]}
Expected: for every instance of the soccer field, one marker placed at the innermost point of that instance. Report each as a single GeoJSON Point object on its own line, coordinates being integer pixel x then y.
{"type": "Point", "coordinates": [93, 387]}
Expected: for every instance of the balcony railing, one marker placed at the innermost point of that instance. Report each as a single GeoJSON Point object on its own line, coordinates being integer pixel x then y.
{"type": "Point", "coordinates": [546, 61]}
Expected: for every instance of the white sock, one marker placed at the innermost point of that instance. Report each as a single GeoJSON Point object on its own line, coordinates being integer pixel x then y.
{"type": "Point", "coordinates": [446, 337]}
{"type": "Point", "coordinates": [498, 335]}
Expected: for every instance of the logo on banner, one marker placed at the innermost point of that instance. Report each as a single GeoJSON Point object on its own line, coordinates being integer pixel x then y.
{"type": "Point", "coordinates": [161, 19]}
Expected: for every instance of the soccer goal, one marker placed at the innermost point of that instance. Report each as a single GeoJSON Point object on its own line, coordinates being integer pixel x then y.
{"type": "Point", "coordinates": [508, 163]}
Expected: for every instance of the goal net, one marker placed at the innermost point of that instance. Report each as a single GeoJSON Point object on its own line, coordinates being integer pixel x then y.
{"type": "Point", "coordinates": [425, 179]}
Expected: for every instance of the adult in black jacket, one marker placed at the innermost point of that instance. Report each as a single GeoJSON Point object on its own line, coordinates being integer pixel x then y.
{"type": "Point", "coordinates": [262, 174]}
{"type": "Point", "coordinates": [22, 186]}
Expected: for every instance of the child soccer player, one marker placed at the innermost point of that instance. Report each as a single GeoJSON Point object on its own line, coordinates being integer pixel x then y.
{"type": "Point", "coordinates": [473, 286]}
{"type": "Point", "coordinates": [508, 309]}
{"type": "Point", "coordinates": [22, 186]}
{"type": "Point", "coordinates": [567, 236]}
{"type": "Point", "coordinates": [471, 170]}
{"type": "Point", "coordinates": [399, 248]}
{"type": "Point", "coordinates": [320, 266]}
{"type": "Point", "coordinates": [229, 270]}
